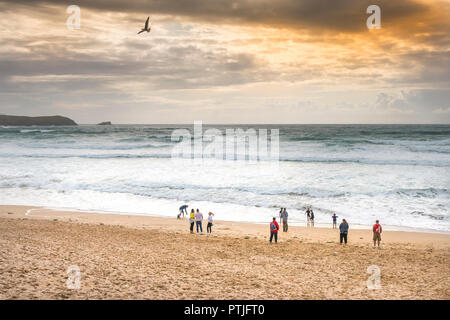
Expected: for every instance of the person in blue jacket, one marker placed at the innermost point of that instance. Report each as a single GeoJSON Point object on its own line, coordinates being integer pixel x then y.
{"type": "Point", "coordinates": [183, 210]}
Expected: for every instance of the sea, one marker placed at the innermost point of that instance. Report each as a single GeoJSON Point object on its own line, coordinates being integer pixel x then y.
{"type": "Point", "coordinates": [398, 174]}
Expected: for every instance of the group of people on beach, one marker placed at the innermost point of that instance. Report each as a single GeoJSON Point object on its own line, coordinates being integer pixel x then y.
{"type": "Point", "coordinates": [343, 227]}
{"type": "Point", "coordinates": [274, 226]}
{"type": "Point", "coordinates": [309, 217]}
{"type": "Point", "coordinates": [196, 217]}
{"type": "Point", "coordinates": [284, 218]}
{"type": "Point", "coordinates": [343, 231]}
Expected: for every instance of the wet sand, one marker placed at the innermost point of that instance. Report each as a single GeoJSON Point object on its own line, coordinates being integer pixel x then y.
{"type": "Point", "coordinates": [142, 257]}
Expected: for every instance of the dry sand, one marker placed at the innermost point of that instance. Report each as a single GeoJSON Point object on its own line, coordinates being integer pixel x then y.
{"type": "Point", "coordinates": [141, 257]}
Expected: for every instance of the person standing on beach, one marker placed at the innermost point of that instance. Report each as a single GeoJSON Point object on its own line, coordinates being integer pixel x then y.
{"type": "Point", "coordinates": [343, 229]}
{"type": "Point", "coordinates": [198, 221]}
{"type": "Point", "coordinates": [311, 217]}
{"type": "Point", "coordinates": [285, 220]}
{"type": "Point", "coordinates": [192, 220]}
{"type": "Point", "coordinates": [274, 227]}
{"type": "Point", "coordinates": [210, 223]}
{"type": "Point", "coordinates": [334, 220]}
{"type": "Point", "coordinates": [308, 217]}
{"type": "Point", "coordinates": [281, 215]}
{"type": "Point", "coordinates": [377, 234]}
{"type": "Point", "coordinates": [183, 210]}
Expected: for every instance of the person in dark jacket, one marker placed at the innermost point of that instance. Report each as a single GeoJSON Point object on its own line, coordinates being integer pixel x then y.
{"type": "Point", "coordinates": [343, 229]}
{"type": "Point", "coordinates": [308, 217]}
{"type": "Point", "coordinates": [312, 217]}
{"type": "Point", "coordinates": [183, 210]}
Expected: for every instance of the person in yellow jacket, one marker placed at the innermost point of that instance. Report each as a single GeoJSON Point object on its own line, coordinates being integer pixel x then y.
{"type": "Point", "coordinates": [191, 220]}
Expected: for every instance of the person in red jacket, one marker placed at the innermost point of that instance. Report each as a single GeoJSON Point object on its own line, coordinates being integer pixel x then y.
{"type": "Point", "coordinates": [274, 227]}
{"type": "Point", "coordinates": [377, 234]}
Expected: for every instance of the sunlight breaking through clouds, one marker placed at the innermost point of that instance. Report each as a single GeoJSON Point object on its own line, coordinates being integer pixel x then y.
{"type": "Point", "coordinates": [227, 61]}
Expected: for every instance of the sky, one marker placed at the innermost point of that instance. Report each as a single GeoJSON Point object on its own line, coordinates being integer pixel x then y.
{"type": "Point", "coordinates": [217, 61]}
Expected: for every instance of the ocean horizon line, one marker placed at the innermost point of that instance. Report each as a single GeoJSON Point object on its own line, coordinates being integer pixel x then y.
{"type": "Point", "coordinates": [281, 124]}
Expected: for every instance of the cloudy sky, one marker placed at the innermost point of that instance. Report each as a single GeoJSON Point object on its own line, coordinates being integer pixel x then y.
{"type": "Point", "coordinates": [241, 61]}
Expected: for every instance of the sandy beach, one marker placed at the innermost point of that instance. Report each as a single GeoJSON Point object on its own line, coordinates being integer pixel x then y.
{"type": "Point", "coordinates": [146, 257]}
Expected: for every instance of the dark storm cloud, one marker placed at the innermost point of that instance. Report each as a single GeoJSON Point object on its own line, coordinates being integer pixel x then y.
{"type": "Point", "coordinates": [335, 15]}
{"type": "Point", "coordinates": [433, 67]}
{"type": "Point", "coordinates": [57, 66]}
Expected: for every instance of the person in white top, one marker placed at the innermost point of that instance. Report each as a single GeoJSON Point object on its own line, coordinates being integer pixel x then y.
{"type": "Point", "coordinates": [198, 221]}
{"type": "Point", "coordinates": [210, 223]}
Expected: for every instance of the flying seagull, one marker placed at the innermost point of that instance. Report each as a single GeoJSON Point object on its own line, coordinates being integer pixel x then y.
{"type": "Point", "coordinates": [146, 28]}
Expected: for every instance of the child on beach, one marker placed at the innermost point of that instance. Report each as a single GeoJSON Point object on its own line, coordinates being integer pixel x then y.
{"type": "Point", "coordinates": [192, 220]}
{"type": "Point", "coordinates": [210, 223]}
{"type": "Point", "coordinates": [334, 220]}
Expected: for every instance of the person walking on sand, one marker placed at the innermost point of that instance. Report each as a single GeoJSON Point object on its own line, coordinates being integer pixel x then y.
{"type": "Point", "coordinates": [308, 216]}
{"type": "Point", "coordinates": [192, 220]}
{"type": "Point", "coordinates": [285, 220]}
{"type": "Point", "coordinates": [198, 221]}
{"type": "Point", "coordinates": [274, 227]}
{"type": "Point", "coordinates": [343, 229]}
{"type": "Point", "coordinates": [377, 234]}
{"type": "Point", "coordinates": [183, 210]}
{"type": "Point", "coordinates": [210, 223]}
{"type": "Point", "coordinates": [334, 216]}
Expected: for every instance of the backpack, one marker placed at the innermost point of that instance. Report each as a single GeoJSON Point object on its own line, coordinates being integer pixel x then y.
{"type": "Point", "coordinates": [273, 226]}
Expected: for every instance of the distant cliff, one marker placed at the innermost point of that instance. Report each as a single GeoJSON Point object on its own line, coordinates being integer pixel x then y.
{"type": "Point", "coordinates": [35, 121]}
{"type": "Point", "coordinates": [106, 123]}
